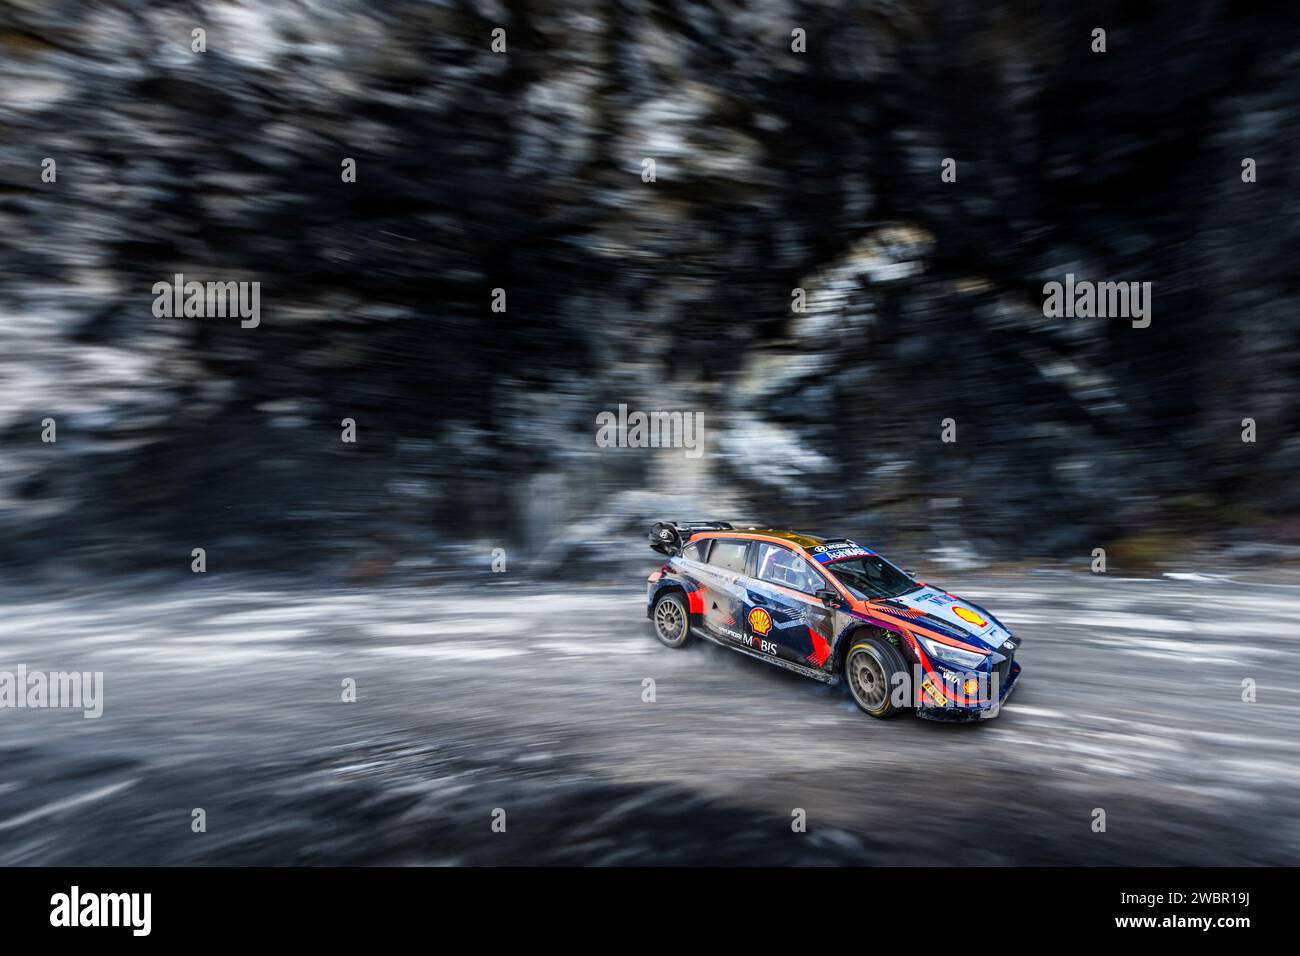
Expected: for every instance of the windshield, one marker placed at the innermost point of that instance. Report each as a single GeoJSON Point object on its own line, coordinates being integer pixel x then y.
{"type": "Point", "coordinates": [870, 576]}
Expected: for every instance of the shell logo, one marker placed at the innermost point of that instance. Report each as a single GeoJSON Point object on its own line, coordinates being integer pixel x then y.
{"type": "Point", "coordinates": [970, 617]}
{"type": "Point", "coordinates": [760, 621]}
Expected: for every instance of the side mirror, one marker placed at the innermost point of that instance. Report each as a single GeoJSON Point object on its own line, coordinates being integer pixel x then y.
{"type": "Point", "coordinates": [909, 572]}
{"type": "Point", "coordinates": [829, 596]}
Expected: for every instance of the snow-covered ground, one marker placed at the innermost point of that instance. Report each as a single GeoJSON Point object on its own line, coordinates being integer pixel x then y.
{"type": "Point", "coordinates": [226, 696]}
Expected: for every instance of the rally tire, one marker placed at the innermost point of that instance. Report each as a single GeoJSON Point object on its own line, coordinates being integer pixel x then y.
{"type": "Point", "coordinates": [871, 671]}
{"type": "Point", "coordinates": [672, 620]}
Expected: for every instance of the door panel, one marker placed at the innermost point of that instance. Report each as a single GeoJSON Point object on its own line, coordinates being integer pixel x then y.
{"type": "Point", "coordinates": [765, 615]}
{"type": "Point", "coordinates": [722, 585]}
{"type": "Point", "coordinates": [797, 627]}
{"type": "Point", "coordinates": [796, 623]}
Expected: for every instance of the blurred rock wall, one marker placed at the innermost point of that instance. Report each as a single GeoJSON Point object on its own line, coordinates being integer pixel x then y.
{"type": "Point", "coordinates": [774, 170]}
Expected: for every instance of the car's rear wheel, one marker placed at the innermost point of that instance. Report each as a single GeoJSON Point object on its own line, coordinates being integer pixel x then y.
{"type": "Point", "coordinates": [672, 620]}
{"type": "Point", "coordinates": [873, 669]}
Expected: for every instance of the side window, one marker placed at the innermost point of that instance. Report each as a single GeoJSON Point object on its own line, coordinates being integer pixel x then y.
{"type": "Point", "coordinates": [729, 555]}
{"type": "Point", "coordinates": [778, 565]}
{"type": "Point", "coordinates": [697, 550]}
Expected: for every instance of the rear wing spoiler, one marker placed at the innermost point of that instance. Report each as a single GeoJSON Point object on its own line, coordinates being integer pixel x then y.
{"type": "Point", "coordinates": [668, 537]}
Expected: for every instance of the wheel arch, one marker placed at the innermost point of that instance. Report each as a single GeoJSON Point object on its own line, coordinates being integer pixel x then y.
{"type": "Point", "coordinates": [678, 587]}
{"type": "Point", "coordinates": [863, 631]}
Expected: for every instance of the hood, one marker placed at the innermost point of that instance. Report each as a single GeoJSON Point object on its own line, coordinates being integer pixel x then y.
{"type": "Point", "coordinates": [970, 621]}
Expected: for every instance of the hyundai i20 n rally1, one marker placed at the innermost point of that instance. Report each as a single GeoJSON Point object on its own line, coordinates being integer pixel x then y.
{"type": "Point", "coordinates": [826, 607]}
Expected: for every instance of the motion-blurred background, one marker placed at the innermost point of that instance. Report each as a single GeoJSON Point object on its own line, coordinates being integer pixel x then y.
{"type": "Point", "coordinates": [522, 170]}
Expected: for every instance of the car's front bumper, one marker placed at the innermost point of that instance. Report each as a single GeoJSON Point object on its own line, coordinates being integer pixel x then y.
{"type": "Point", "coordinates": [954, 709]}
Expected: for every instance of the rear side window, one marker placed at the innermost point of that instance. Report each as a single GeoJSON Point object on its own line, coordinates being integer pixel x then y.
{"type": "Point", "coordinates": [697, 550]}
{"type": "Point", "coordinates": [730, 555]}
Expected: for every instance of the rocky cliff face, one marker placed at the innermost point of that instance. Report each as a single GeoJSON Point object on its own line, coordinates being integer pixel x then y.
{"type": "Point", "coordinates": [523, 171]}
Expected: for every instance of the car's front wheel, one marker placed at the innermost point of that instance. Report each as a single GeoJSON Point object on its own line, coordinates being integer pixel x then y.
{"type": "Point", "coordinates": [875, 671]}
{"type": "Point", "coordinates": [672, 620]}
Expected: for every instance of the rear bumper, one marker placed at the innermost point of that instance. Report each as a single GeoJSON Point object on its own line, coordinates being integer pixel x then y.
{"type": "Point", "coordinates": [652, 589]}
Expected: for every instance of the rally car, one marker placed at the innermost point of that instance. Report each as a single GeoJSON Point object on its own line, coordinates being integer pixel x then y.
{"type": "Point", "coordinates": [826, 607]}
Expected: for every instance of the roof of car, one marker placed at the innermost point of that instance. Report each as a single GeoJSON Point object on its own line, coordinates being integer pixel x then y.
{"type": "Point", "coordinates": [794, 537]}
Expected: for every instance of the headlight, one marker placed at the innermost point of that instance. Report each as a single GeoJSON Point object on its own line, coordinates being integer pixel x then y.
{"type": "Point", "coordinates": [954, 655]}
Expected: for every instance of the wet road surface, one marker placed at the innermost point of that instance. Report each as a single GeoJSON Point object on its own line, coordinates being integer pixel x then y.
{"type": "Point", "coordinates": [227, 696]}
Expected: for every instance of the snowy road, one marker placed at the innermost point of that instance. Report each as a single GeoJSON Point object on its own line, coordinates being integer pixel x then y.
{"type": "Point", "coordinates": [227, 697]}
